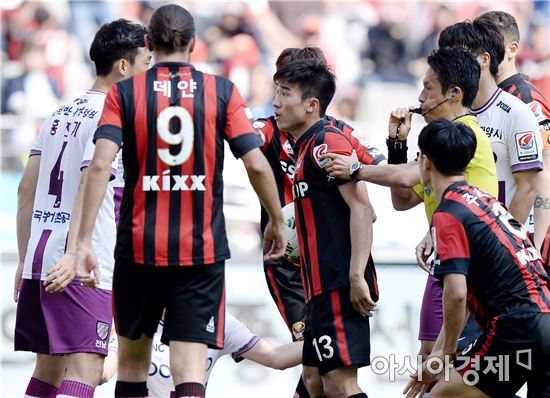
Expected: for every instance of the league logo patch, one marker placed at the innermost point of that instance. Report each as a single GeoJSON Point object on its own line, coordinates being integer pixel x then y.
{"type": "Point", "coordinates": [526, 146]}
{"type": "Point", "coordinates": [318, 151]}
{"type": "Point", "coordinates": [102, 330]}
{"type": "Point", "coordinates": [537, 110]}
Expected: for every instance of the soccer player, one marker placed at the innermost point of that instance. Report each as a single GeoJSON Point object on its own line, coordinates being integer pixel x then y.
{"type": "Point", "coordinates": [507, 121]}
{"type": "Point", "coordinates": [518, 84]}
{"type": "Point", "coordinates": [490, 266]}
{"type": "Point", "coordinates": [284, 278]}
{"type": "Point", "coordinates": [450, 86]}
{"type": "Point", "coordinates": [69, 330]}
{"type": "Point", "coordinates": [239, 342]}
{"type": "Point", "coordinates": [334, 223]}
{"type": "Point", "coordinates": [171, 244]}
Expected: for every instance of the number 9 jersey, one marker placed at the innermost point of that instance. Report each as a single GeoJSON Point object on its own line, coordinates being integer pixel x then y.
{"type": "Point", "coordinates": [171, 122]}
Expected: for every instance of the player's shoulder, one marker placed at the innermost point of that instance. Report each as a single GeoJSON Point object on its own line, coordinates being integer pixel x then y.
{"type": "Point", "coordinates": [267, 123]}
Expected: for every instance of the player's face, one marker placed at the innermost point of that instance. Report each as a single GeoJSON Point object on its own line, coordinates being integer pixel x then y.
{"type": "Point", "coordinates": [431, 96]}
{"type": "Point", "coordinates": [290, 110]}
{"type": "Point", "coordinates": [424, 174]}
{"type": "Point", "coordinates": [141, 61]}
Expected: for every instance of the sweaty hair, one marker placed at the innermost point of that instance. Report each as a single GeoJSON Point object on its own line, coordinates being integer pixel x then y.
{"type": "Point", "coordinates": [477, 37]}
{"type": "Point", "coordinates": [289, 55]}
{"type": "Point", "coordinates": [449, 145]}
{"type": "Point", "coordinates": [171, 29]}
{"type": "Point", "coordinates": [314, 79]}
{"type": "Point", "coordinates": [504, 22]}
{"type": "Point", "coordinates": [120, 39]}
{"type": "Point", "coordinates": [456, 67]}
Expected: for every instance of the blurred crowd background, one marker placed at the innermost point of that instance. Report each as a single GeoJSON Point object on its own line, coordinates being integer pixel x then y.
{"type": "Point", "coordinates": [377, 50]}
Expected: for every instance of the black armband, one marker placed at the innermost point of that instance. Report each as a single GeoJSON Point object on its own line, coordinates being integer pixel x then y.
{"type": "Point", "coordinates": [397, 151]}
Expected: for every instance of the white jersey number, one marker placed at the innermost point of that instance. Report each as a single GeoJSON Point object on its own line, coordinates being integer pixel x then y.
{"type": "Point", "coordinates": [184, 136]}
{"type": "Point", "coordinates": [325, 342]}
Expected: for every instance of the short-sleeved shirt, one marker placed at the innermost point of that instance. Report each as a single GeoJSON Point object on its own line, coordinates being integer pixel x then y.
{"type": "Point", "coordinates": [65, 146]}
{"type": "Point", "coordinates": [238, 340]}
{"type": "Point", "coordinates": [514, 134]}
{"type": "Point", "coordinates": [171, 122]}
{"type": "Point", "coordinates": [481, 171]}
{"type": "Point", "coordinates": [474, 235]}
{"type": "Point", "coordinates": [278, 149]}
{"type": "Point", "coordinates": [519, 86]}
{"type": "Point", "coordinates": [322, 215]}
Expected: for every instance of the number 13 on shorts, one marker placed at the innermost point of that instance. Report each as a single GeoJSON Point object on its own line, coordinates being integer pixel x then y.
{"type": "Point", "coordinates": [323, 347]}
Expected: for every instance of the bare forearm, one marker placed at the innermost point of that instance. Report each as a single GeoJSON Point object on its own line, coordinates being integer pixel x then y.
{"type": "Point", "coordinates": [361, 219]}
{"type": "Point", "coordinates": [391, 175]}
{"type": "Point", "coordinates": [98, 175]}
{"type": "Point", "coordinates": [521, 204]}
{"type": "Point", "coordinates": [454, 312]}
{"type": "Point", "coordinates": [542, 201]}
{"type": "Point", "coordinates": [23, 222]}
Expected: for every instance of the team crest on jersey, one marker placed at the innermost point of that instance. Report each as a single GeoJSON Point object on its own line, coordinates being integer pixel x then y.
{"type": "Point", "coordinates": [319, 151]}
{"type": "Point", "coordinates": [526, 145]}
{"type": "Point", "coordinates": [102, 330]}
{"type": "Point", "coordinates": [288, 148]}
{"type": "Point", "coordinates": [298, 330]}
{"type": "Point", "coordinates": [537, 110]}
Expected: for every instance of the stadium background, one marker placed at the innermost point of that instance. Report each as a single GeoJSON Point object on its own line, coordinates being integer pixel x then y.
{"type": "Point", "coordinates": [377, 50]}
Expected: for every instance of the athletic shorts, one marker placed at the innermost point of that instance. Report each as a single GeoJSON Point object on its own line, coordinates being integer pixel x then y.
{"type": "Point", "coordinates": [336, 335]}
{"type": "Point", "coordinates": [74, 321]}
{"type": "Point", "coordinates": [515, 350]}
{"type": "Point", "coordinates": [431, 316]}
{"type": "Point", "coordinates": [194, 298]}
{"type": "Point", "coordinates": [284, 281]}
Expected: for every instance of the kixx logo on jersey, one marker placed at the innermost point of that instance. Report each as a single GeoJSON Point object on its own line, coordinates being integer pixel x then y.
{"type": "Point", "coordinates": [171, 182]}
{"type": "Point", "coordinates": [318, 151]}
{"type": "Point", "coordinates": [526, 146]}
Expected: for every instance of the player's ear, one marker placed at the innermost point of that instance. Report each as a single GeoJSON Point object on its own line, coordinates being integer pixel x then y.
{"type": "Point", "coordinates": [192, 45]}
{"type": "Point", "coordinates": [123, 66]}
{"type": "Point", "coordinates": [148, 43]}
{"type": "Point", "coordinates": [512, 50]}
{"type": "Point", "coordinates": [312, 105]}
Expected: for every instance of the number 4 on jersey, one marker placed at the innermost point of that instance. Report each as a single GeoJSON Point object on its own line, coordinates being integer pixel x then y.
{"type": "Point", "coordinates": [56, 178]}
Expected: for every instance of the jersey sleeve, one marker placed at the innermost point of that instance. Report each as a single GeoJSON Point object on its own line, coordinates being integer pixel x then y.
{"type": "Point", "coordinates": [36, 148]}
{"type": "Point", "coordinates": [330, 142]}
{"type": "Point", "coordinates": [452, 251]}
{"type": "Point", "coordinates": [238, 338]}
{"type": "Point", "coordinates": [541, 111]}
{"type": "Point", "coordinates": [89, 154]}
{"type": "Point", "coordinates": [265, 129]}
{"type": "Point", "coordinates": [110, 124]}
{"type": "Point", "coordinates": [524, 142]}
{"type": "Point", "coordinates": [239, 132]}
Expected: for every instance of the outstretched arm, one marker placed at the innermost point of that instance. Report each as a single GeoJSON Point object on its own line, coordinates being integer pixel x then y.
{"type": "Point", "coordinates": [276, 357]}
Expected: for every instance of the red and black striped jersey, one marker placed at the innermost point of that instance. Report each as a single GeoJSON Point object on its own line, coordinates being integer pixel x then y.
{"type": "Point", "coordinates": [171, 122]}
{"type": "Point", "coordinates": [475, 235]}
{"type": "Point", "coordinates": [278, 149]}
{"type": "Point", "coordinates": [520, 86]}
{"type": "Point", "coordinates": [545, 251]}
{"type": "Point", "coordinates": [322, 215]}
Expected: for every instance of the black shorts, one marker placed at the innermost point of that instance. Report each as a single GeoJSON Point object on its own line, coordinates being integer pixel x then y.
{"type": "Point", "coordinates": [516, 351]}
{"type": "Point", "coordinates": [284, 281]}
{"type": "Point", "coordinates": [194, 298]}
{"type": "Point", "coordinates": [336, 335]}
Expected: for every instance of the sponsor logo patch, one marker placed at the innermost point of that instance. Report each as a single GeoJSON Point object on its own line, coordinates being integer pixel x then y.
{"type": "Point", "coordinates": [526, 146]}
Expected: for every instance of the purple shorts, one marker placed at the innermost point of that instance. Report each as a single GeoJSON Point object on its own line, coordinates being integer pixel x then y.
{"type": "Point", "coordinates": [76, 320]}
{"type": "Point", "coordinates": [431, 313]}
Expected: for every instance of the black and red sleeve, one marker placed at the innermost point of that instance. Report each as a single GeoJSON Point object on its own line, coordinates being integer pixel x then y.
{"type": "Point", "coordinates": [110, 124]}
{"type": "Point", "coordinates": [451, 245]}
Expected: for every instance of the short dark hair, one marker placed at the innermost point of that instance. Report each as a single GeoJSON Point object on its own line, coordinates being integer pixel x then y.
{"type": "Point", "coordinates": [449, 145]}
{"type": "Point", "coordinates": [171, 29]}
{"type": "Point", "coordinates": [505, 23]}
{"type": "Point", "coordinates": [299, 54]}
{"type": "Point", "coordinates": [314, 78]}
{"type": "Point", "coordinates": [120, 39]}
{"type": "Point", "coordinates": [456, 67]}
{"type": "Point", "coordinates": [477, 37]}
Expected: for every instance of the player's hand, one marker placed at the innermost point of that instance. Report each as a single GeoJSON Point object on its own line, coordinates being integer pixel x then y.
{"type": "Point", "coordinates": [423, 251]}
{"type": "Point", "coordinates": [275, 241]}
{"type": "Point", "coordinates": [426, 375]}
{"type": "Point", "coordinates": [338, 165]}
{"type": "Point", "coordinates": [400, 123]}
{"type": "Point", "coordinates": [87, 267]}
{"type": "Point", "coordinates": [17, 281]}
{"type": "Point", "coordinates": [63, 273]}
{"type": "Point", "coordinates": [360, 297]}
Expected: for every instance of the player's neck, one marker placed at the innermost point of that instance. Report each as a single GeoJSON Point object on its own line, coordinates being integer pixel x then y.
{"type": "Point", "coordinates": [103, 84]}
{"type": "Point", "coordinates": [298, 131]}
{"type": "Point", "coordinates": [487, 87]}
{"type": "Point", "coordinates": [173, 57]}
{"type": "Point", "coordinates": [506, 70]}
{"type": "Point", "coordinates": [441, 182]}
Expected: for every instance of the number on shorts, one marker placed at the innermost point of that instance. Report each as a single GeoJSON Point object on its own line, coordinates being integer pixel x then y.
{"type": "Point", "coordinates": [504, 217]}
{"type": "Point", "coordinates": [325, 342]}
{"type": "Point", "coordinates": [184, 136]}
{"type": "Point", "coordinates": [56, 179]}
